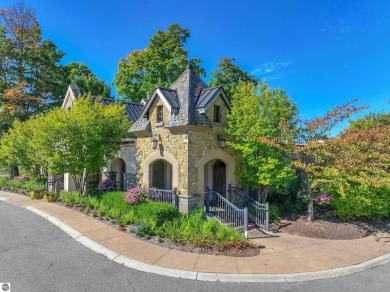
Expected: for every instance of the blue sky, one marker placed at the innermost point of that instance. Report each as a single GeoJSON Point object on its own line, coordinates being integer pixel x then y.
{"type": "Point", "coordinates": [322, 53]}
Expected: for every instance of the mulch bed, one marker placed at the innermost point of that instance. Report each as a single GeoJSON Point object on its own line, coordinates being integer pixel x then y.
{"type": "Point", "coordinates": [327, 227]}
{"type": "Point", "coordinates": [323, 227]}
{"type": "Point", "coordinates": [248, 251]}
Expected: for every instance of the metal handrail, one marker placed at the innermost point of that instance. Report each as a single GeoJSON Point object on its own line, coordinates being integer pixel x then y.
{"type": "Point", "coordinates": [225, 211]}
{"type": "Point", "coordinates": [58, 185]}
{"type": "Point", "coordinates": [258, 213]}
{"type": "Point", "coordinates": [164, 196]}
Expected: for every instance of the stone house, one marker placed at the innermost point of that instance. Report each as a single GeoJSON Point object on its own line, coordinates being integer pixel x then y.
{"type": "Point", "coordinates": [180, 141]}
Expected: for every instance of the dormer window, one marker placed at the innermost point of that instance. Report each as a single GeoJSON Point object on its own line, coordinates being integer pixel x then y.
{"type": "Point", "coordinates": [217, 114]}
{"type": "Point", "coordinates": [160, 114]}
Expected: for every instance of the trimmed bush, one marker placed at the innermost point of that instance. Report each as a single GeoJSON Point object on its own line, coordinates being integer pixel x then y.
{"type": "Point", "coordinates": [362, 201]}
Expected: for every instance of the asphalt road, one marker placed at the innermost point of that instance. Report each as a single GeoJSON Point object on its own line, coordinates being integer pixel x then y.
{"type": "Point", "coordinates": [35, 255]}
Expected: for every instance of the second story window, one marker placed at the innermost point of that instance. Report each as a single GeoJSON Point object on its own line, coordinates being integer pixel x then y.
{"type": "Point", "coordinates": [217, 114]}
{"type": "Point", "coordinates": [160, 114]}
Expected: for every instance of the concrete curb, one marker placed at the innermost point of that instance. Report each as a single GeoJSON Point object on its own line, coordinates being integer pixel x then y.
{"type": "Point", "coordinates": [201, 276]}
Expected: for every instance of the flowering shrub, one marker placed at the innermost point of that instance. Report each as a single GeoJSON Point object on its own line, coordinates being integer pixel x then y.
{"type": "Point", "coordinates": [107, 185]}
{"type": "Point", "coordinates": [321, 198]}
{"type": "Point", "coordinates": [309, 196]}
{"type": "Point", "coordinates": [135, 196]}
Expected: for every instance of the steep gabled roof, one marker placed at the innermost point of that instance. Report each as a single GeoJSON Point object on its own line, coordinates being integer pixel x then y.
{"type": "Point", "coordinates": [187, 99]}
{"type": "Point", "coordinates": [133, 110]}
{"type": "Point", "coordinates": [188, 87]}
{"type": "Point", "coordinates": [168, 96]}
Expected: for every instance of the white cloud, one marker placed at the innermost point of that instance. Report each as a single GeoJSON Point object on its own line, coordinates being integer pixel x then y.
{"type": "Point", "coordinates": [270, 67]}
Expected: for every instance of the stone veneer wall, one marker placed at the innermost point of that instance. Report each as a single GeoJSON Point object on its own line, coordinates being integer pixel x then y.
{"type": "Point", "coordinates": [175, 143]}
{"type": "Point", "coordinates": [188, 145]}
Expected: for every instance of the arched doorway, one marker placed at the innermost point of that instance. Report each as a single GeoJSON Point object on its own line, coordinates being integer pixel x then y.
{"type": "Point", "coordinates": [219, 177]}
{"type": "Point", "coordinates": [220, 164]}
{"type": "Point", "coordinates": [118, 166]}
{"type": "Point", "coordinates": [215, 176]}
{"type": "Point", "coordinates": [160, 174]}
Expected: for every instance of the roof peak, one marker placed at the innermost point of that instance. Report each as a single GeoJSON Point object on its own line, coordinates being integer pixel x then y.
{"type": "Point", "coordinates": [189, 66]}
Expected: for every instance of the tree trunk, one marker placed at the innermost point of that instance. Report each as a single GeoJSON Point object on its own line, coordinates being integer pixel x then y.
{"type": "Point", "coordinates": [14, 171]}
{"type": "Point", "coordinates": [310, 211]}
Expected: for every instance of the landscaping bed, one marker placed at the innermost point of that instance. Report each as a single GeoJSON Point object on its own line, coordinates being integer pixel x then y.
{"type": "Point", "coordinates": [326, 226]}
{"type": "Point", "coordinates": [160, 223]}
{"type": "Point", "coordinates": [130, 229]}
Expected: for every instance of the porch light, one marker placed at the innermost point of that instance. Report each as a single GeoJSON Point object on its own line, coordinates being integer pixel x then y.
{"type": "Point", "coordinates": [222, 141]}
{"type": "Point", "coordinates": [154, 142]}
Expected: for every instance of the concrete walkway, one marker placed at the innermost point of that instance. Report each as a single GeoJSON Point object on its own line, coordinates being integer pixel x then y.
{"type": "Point", "coordinates": [281, 255]}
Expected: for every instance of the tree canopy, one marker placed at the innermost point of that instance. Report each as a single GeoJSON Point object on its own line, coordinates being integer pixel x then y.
{"type": "Point", "coordinates": [257, 124]}
{"type": "Point", "coordinates": [229, 75]}
{"type": "Point", "coordinates": [160, 64]}
{"type": "Point", "coordinates": [79, 74]}
{"type": "Point", "coordinates": [78, 140]}
{"type": "Point", "coordinates": [31, 78]}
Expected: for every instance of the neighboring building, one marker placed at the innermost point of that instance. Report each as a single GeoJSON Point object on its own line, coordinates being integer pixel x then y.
{"type": "Point", "coordinates": [180, 141]}
{"type": "Point", "coordinates": [123, 167]}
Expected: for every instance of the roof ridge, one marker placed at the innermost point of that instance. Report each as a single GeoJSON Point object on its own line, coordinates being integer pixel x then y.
{"type": "Point", "coordinates": [184, 72]}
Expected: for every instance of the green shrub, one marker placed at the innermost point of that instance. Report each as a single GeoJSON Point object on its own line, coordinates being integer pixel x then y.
{"type": "Point", "coordinates": [274, 213]}
{"type": "Point", "coordinates": [144, 229]}
{"type": "Point", "coordinates": [113, 213]}
{"type": "Point", "coordinates": [92, 203]}
{"type": "Point", "coordinates": [114, 200]}
{"type": "Point", "coordinates": [4, 181]}
{"type": "Point", "coordinates": [361, 201]}
{"type": "Point", "coordinates": [195, 229]}
{"type": "Point", "coordinates": [69, 197]}
{"type": "Point", "coordinates": [129, 218]}
{"type": "Point", "coordinates": [155, 213]}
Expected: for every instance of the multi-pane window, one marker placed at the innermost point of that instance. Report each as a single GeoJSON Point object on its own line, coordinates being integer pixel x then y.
{"type": "Point", "coordinates": [160, 114]}
{"type": "Point", "coordinates": [217, 114]}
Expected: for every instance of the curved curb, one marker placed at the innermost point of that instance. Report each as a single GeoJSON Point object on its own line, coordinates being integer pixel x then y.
{"type": "Point", "coordinates": [201, 276]}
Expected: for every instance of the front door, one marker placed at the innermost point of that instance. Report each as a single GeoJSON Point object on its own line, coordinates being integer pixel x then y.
{"type": "Point", "coordinates": [219, 177]}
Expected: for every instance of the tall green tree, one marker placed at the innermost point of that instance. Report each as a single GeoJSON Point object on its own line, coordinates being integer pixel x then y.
{"type": "Point", "coordinates": [160, 64]}
{"type": "Point", "coordinates": [77, 141]}
{"type": "Point", "coordinates": [31, 78]}
{"type": "Point", "coordinates": [79, 74]}
{"type": "Point", "coordinates": [229, 75]}
{"type": "Point", "coordinates": [370, 121]}
{"type": "Point", "coordinates": [260, 123]}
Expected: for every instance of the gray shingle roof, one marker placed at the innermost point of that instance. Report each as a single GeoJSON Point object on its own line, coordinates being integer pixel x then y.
{"type": "Point", "coordinates": [133, 110]}
{"type": "Point", "coordinates": [171, 96]}
{"type": "Point", "coordinates": [188, 87]}
{"type": "Point", "coordinates": [187, 94]}
{"type": "Point", "coordinates": [140, 125]}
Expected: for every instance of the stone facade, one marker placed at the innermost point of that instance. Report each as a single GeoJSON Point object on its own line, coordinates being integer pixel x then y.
{"type": "Point", "coordinates": [188, 144]}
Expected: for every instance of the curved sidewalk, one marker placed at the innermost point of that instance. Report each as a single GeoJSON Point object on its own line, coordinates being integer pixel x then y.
{"type": "Point", "coordinates": [282, 258]}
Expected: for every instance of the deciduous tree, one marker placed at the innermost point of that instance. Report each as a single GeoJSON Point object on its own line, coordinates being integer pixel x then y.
{"type": "Point", "coordinates": [31, 78]}
{"type": "Point", "coordinates": [311, 156]}
{"type": "Point", "coordinates": [78, 140]}
{"type": "Point", "coordinates": [79, 74]}
{"type": "Point", "coordinates": [229, 75]}
{"type": "Point", "coordinates": [160, 64]}
{"type": "Point", "coordinates": [260, 122]}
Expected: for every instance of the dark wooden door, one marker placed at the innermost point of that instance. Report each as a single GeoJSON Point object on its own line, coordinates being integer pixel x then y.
{"type": "Point", "coordinates": [219, 177]}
